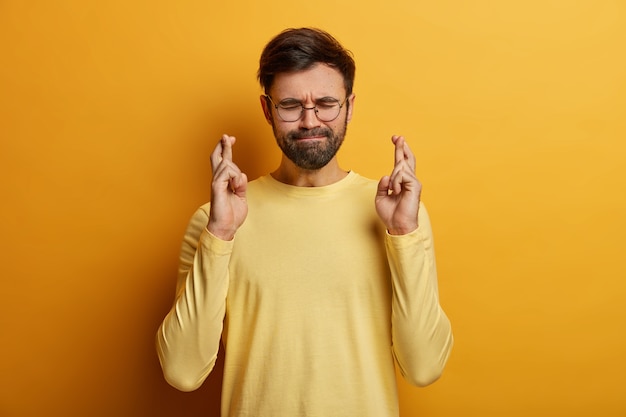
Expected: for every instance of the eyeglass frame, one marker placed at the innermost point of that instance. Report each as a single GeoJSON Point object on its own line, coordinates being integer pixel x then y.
{"type": "Point", "coordinates": [267, 96]}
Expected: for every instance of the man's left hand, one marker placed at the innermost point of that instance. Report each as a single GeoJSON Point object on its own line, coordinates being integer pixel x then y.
{"type": "Point", "coordinates": [398, 195]}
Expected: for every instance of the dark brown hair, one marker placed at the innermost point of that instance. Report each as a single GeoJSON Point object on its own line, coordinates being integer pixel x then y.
{"type": "Point", "coordinates": [301, 49]}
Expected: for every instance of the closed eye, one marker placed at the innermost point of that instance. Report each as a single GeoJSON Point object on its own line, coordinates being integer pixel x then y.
{"type": "Point", "coordinates": [290, 104]}
{"type": "Point", "coordinates": [327, 105]}
{"type": "Point", "coordinates": [327, 102]}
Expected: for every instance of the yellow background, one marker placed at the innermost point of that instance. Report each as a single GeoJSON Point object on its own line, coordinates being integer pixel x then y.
{"type": "Point", "coordinates": [515, 109]}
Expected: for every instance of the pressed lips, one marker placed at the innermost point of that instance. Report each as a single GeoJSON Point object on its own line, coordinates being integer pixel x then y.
{"type": "Point", "coordinates": [314, 134]}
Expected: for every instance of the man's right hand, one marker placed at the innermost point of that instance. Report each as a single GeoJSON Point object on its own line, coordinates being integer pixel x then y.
{"type": "Point", "coordinates": [228, 192]}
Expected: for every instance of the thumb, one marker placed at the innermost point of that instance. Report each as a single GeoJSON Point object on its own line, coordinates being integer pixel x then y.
{"type": "Point", "coordinates": [383, 187]}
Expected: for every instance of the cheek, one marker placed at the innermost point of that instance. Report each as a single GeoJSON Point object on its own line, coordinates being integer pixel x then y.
{"type": "Point", "coordinates": [279, 130]}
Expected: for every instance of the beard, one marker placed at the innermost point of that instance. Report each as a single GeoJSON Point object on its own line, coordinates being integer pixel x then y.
{"type": "Point", "coordinates": [311, 155]}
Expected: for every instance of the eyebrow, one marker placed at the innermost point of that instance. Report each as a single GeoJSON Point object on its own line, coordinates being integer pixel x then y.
{"type": "Point", "coordinates": [291, 100]}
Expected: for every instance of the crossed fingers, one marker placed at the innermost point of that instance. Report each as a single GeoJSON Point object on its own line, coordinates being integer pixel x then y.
{"type": "Point", "coordinates": [404, 166]}
{"type": "Point", "coordinates": [225, 172]}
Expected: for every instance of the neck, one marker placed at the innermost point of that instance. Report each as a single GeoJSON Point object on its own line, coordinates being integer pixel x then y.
{"type": "Point", "coordinates": [290, 174]}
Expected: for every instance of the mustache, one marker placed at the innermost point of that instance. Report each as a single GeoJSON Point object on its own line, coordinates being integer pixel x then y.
{"type": "Point", "coordinates": [309, 133]}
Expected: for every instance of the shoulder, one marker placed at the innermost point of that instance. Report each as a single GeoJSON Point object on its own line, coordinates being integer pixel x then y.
{"type": "Point", "coordinates": [197, 223]}
{"type": "Point", "coordinates": [202, 213]}
{"type": "Point", "coordinates": [359, 180]}
{"type": "Point", "coordinates": [359, 184]}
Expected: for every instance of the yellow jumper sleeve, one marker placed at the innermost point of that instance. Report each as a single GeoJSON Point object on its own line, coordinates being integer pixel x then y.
{"type": "Point", "coordinates": [188, 339]}
{"type": "Point", "coordinates": [422, 337]}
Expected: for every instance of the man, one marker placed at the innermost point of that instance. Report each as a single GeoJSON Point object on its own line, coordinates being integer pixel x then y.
{"type": "Point", "coordinates": [314, 277]}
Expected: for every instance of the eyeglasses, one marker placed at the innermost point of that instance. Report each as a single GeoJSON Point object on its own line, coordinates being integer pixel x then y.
{"type": "Point", "coordinates": [326, 109]}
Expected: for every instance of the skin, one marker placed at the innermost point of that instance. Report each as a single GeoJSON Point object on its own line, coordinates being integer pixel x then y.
{"type": "Point", "coordinates": [398, 195]}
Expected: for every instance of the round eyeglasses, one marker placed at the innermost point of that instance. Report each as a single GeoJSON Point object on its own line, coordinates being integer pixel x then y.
{"type": "Point", "coordinates": [326, 109]}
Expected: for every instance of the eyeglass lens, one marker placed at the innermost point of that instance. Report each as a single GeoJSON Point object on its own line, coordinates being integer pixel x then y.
{"type": "Point", "coordinates": [326, 111]}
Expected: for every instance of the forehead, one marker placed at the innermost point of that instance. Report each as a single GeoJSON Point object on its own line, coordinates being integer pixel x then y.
{"type": "Point", "coordinates": [318, 81]}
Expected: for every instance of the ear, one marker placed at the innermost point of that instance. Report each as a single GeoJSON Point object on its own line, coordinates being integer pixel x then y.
{"type": "Point", "coordinates": [350, 107]}
{"type": "Point", "coordinates": [267, 111]}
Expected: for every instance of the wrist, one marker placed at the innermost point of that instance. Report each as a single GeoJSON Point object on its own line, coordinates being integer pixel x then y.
{"type": "Point", "coordinates": [401, 230]}
{"type": "Point", "coordinates": [221, 233]}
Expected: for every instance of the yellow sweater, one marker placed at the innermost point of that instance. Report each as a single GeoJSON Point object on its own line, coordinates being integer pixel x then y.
{"type": "Point", "coordinates": [313, 300]}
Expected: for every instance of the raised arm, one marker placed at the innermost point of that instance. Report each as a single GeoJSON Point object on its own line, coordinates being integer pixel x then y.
{"type": "Point", "coordinates": [188, 339]}
{"type": "Point", "coordinates": [421, 332]}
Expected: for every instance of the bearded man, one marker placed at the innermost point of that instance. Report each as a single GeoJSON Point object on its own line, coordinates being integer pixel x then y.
{"type": "Point", "coordinates": [317, 280]}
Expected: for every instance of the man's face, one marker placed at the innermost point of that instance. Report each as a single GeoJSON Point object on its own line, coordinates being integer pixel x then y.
{"type": "Point", "coordinates": [308, 142]}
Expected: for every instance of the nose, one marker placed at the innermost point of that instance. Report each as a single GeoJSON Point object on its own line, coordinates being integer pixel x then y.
{"type": "Point", "coordinates": [309, 118]}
